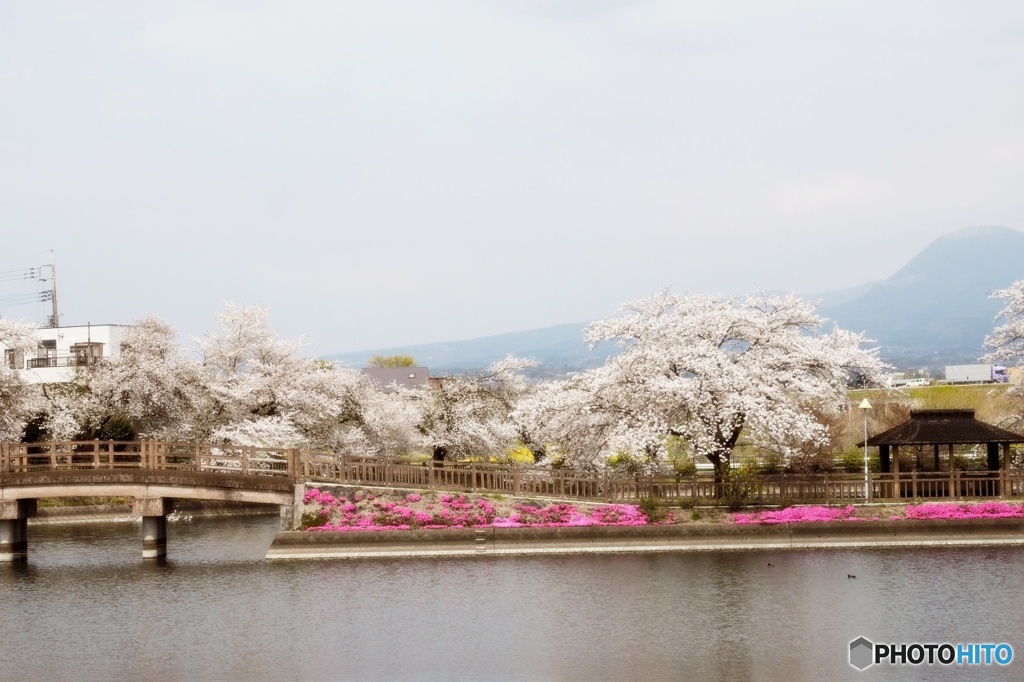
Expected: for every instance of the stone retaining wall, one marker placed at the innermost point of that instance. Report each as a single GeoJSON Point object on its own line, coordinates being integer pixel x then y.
{"type": "Point", "coordinates": [668, 538]}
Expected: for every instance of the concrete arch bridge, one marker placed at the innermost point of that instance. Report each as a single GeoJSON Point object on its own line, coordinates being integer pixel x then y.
{"type": "Point", "coordinates": [154, 473]}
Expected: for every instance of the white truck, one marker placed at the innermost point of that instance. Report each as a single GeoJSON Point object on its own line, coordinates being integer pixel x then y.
{"type": "Point", "coordinates": [976, 374]}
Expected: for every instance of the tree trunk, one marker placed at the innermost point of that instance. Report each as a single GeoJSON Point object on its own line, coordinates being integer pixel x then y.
{"type": "Point", "coordinates": [721, 463]}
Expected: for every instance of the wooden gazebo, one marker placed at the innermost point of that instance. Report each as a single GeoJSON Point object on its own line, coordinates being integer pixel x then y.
{"type": "Point", "coordinates": [945, 430]}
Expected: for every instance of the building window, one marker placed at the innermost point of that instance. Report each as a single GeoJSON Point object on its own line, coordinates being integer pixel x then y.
{"type": "Point", "coordinates": [86, 353]}
{"type": "Point", "coordinates": [14, 359]}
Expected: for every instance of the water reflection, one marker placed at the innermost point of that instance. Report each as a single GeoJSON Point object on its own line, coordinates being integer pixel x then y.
{"type": "Point", "coordinates": [86, 606]}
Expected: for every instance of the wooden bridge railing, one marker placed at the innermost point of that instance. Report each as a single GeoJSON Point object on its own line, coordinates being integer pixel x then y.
{"type": "Point", "coordinates": [150, 455]}
{"type": "Point", "coordinates": [525, 481]}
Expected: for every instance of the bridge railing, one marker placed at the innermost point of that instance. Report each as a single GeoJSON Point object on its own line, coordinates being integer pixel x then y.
{"type": "Point", "coordinates": [63, 455]}
{"type": "Point", "coordinates": [145, 454]}
{"type": "Point", "coordinates": [506, 479]}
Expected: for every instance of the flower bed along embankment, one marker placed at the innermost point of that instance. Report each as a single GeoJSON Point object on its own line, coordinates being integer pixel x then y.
{"type": "Point", "coordinates": [951, 511]}
{"type": "Point", "coordinates": [366, 511]}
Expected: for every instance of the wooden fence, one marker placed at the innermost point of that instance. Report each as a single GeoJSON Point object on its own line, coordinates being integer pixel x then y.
{"type": "Point", "coordinates": [524, 481]}
{"type": "Point", "coordinates": [749, 489]}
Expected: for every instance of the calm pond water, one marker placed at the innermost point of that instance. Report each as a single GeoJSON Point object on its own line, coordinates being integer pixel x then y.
{"type": "Point", "coordinates": [87, 607]}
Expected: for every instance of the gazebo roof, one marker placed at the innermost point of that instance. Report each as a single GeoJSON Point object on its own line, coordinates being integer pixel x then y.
{"type": "Point", "coordinates": [943, 427]}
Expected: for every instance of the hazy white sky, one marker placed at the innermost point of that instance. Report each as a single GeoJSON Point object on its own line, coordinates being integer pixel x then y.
{"type": "Point", "coordinates": [388, 173]}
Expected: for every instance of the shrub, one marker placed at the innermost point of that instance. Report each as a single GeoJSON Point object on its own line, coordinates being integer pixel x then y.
{"type": "Point", "coordinates": [650, 508]}
{"type": "Point", "coordinates": [314, 519]}
{"type": "Point", "coordinates": [118, 427]}
{"type": "Point", "coordinates": [853, 462]}
{"type": "Point", "coordinates": [771, 464]}
{"type": "Point", "coordinates": [688, 503]}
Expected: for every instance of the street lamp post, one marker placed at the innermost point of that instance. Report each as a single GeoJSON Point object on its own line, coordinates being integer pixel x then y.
{"type": "Point", "coordinates": [864, 407]}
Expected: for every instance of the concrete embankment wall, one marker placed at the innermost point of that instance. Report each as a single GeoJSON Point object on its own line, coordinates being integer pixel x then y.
{"type": "Point", "coordinates": [668, 538]}
{"type": "Point", "coordinates": [122, 512]}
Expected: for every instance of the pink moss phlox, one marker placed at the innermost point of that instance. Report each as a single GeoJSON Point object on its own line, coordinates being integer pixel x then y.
{"type": "Point", "coordinates": [797, 515]}
{"type": "Point", "coordinates": [322, 498]}
{"type": "Point", "coordinates": [457, 511]}
{"type": "Point", "coordinates": [962, 510]}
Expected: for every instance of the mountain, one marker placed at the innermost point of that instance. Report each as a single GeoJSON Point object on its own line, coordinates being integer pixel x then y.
{"type": "Point", "coordinates": [559, 349]}
{"type": "Point", "coordinates": [936, 309]}
{"type": "Point", "coordinates": [933, 311]}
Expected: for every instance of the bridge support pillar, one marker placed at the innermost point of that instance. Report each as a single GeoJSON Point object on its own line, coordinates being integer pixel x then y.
{"type": "Point", "coordinates": [14, 515]}
{"type": "Point", "coordinates": [291, 514]}
{"type": "Point", "coordinates": [154, 511]}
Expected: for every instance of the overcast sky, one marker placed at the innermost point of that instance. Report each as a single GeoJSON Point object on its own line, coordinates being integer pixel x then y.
{"type": "Point", "coordinates": [386, 173]}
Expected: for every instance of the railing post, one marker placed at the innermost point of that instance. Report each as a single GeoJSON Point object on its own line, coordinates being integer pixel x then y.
{"type": "Point", "coordinates": [246, 456]}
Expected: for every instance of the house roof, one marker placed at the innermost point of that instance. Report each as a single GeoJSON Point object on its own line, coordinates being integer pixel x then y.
{"type": "Point", "coordinates": [405, 377]}
{"type": "Point", "coordinates": [943, 427]}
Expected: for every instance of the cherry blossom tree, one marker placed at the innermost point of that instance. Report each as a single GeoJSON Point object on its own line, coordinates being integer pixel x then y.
{"type": "Point", "coordinates": [1006, 341]}
{"type": "Point", "coordinates": [471, 416]}
{"type": "Point", "coordinates": [18, 399]}
{"type": "Point", "coordinates": [563, 417]}
{"type": "Point", "coordinates": [153, 382]}
{"type": "Point", "coordinates": [711, 370]}
{"type": "Point", "coordinates": [258, 384]}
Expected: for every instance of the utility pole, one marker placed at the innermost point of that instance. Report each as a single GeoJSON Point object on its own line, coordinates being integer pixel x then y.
{"type": "Point", "coordinates": [54, 317]}
{"type": "Point", "coordinates": [55, 320]}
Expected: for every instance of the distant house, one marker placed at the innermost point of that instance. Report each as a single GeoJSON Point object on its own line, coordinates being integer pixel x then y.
{"type": "Point", "coordinates": [403, 377]}
{"type": "Point", "coordinates": [61, 350]}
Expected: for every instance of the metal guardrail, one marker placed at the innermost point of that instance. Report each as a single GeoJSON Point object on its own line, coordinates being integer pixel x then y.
{"type": "Point", "coordinates": [62, 361]}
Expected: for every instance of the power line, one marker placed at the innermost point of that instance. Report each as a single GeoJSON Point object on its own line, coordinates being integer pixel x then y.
{"type": "Point", "coordinates": [13, 275]}
{"type": "Point", "coordinates": [9, 300]}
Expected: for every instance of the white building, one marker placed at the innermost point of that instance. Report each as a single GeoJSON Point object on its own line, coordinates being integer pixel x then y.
{"type": "Point", "coordinates": [61, 350]}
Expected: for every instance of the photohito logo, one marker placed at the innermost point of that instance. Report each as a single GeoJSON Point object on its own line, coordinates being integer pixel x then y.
{"type": "Point", "coordinates": [864, 653]}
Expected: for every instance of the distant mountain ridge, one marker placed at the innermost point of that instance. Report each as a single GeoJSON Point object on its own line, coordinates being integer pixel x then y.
{"type": "Point", "coordinates": [937, 308]}
{"type": "Point", "coordinates": [933, 311]}
{"type": "Point", "coordinates": [559, 349]}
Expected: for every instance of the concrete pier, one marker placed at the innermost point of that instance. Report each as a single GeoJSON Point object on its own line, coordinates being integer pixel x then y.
{"type": "Point", "coordinates": [291, 514]}
{"type": "Point", "coordinates": [14, 515]}
{"type": "Point", "coordinates": [154, 511]}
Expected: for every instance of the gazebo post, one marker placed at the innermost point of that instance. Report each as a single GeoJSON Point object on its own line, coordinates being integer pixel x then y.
{"type": "Point", "coordinates": [954, 485]}
{"type": "Point", "coordinates": [897, 492]}
{"type": "Point", "coordinates": [1007, 486]}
